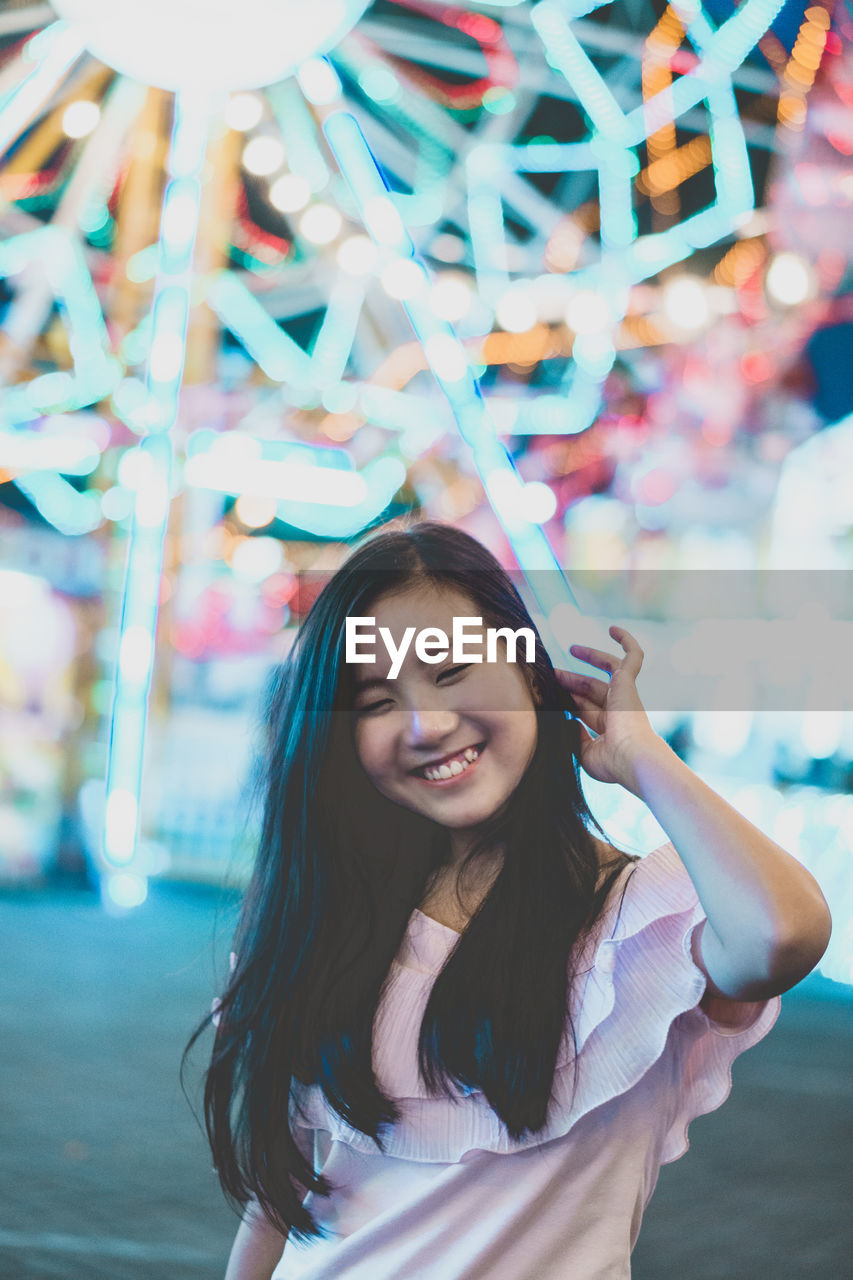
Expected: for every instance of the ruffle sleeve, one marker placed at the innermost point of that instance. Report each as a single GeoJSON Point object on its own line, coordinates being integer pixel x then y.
{"type": "Point", "coordinates": [636, 996]}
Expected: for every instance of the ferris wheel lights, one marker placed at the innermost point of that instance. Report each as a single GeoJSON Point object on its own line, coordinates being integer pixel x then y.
{"type": "Point", "coordinates": [538, 502]}
{"type": "Point", "coordinates": [262, 155]}
{"type": "Point", "coordinates": [135, 654]}
{"type": "Point", "coordinates": [120, 825]}
{"type": "Point", "coordinates": [319, 82]}
{"type": "Point", "coordinates": [686, 304]}
{"type": "Point", "coordinates": [383, 221]}
{"type": "Point", "coordinates": [180, 215]}
{"type": "Point", "coordinates": [80, 118]}
{"type": "Point", "coordinates": [243, 46]}
{"type": "Point", "coordinates": [789, 279]}
{"type": "Point", "coordinates": [321, 224]}
{"type": "Point", "coordinates": [588, 312]}
{"type": "Point", "coordinates": [446, 356]}
{"type": "Point", "coordinates": [255, 511]}
{"type": "Point", "coordinates": [256, 559]}
{"type": "Point", "coordinates": [243, 111]}
{"type": "Point", "coordinates": [357, 255]}
{"type": "Point", "coordinates": [594, 353]}
{"type": "Point", "coordinates": [448, 247]}
{"type": "Point", "coordinates": [127, 889]}
{"type": "Point", "coordinates": [116, 503]}
{"type": "Point", "coordinates": [450, 297]}
{"type": "Point", "coordinates": [516, 309]}
{"type": "Point", "coordinates": [166, 356]}
{"type": "Point", "coordinates": [379, 83]}
{"type": "Point", "coordinates": [290, 193]}
{"type": "Point", "coordinates": [403, 278]}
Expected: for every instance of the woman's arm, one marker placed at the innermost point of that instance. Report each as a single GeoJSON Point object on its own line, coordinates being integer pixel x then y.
{"type": "Point", "coordinates": [768, 922]}
{"type": "Point", "coordinates": [257, 1247]}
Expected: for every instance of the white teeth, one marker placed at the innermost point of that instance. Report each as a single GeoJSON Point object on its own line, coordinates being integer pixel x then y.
{"type": "Point", "coordinates": [454, 768]}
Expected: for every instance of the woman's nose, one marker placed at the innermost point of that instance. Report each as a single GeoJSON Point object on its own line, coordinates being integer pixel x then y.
{"type": "Point", "coordinates": [427, 726]}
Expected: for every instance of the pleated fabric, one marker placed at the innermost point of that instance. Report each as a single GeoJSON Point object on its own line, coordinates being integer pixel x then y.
{"type": "Point", "coordinates": [641, 979]}
{"type": "Point", "coordinates": [453, 1197]}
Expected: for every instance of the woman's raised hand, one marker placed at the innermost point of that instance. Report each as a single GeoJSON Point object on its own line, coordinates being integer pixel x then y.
{"type": "Point", "coordinates": [611, 708]}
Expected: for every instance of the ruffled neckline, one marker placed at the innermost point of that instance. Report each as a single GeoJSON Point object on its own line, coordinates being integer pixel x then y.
{"type": "Point", "coordinates": [635, 978]}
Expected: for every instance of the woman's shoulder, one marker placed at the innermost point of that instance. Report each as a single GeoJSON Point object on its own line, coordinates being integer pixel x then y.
{"type": "Point", "coordinates": [610, 860]}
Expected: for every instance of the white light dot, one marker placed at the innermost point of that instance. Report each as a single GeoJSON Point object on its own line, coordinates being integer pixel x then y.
{"type": "Point", "coordinates": [357, 255]}
{"type": "Point", "coordinates": [539, 502]}
{"type": "Point", "coordinates": [319, 81]}
{"type": "Point", "coordinates": [244, 111]}
{"type": "Point", "coordinates": [685, 303]}
{"type": "Point", "coordinates": [135, 469]}
{"type": "Point", "coordinates": [450, 298]}
{"type": "Point", "coordinates": [587, 312]}
{"type": "Point", "coordinates": [320, 224]}
{"type": "Point", "coordinates": [254, 559]}
{"type": "Point", "coordinates": [446, 357]}
{"type": "Point", "coordinates": [789, 279]}
{"type": "Point", "coordinates": [80, 118]}
{"type": "Point", "coordinates": [290, 193]}
{"type": "Point", "coordinates": [255, 510]}
{"type": "Point", "coordinates": [263, 156]}
{"type": "Point", "coordinates": [821, 733]}
{"type": "Point", "coordinates": [403, 278]}
{"type": "Point", "coordinates": [516, 310]}
{"type": "Point", "coordinates": [127, 890]}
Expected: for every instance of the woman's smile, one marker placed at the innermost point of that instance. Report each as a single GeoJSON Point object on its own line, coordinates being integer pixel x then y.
{"type": "Point", "coordinates": [421, 736]}
{"type": "Point", "coordinates": [450, 769]}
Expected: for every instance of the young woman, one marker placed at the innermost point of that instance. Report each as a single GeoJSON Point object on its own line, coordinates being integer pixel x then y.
{"type": "Point", "coordinates": [462, 1033]}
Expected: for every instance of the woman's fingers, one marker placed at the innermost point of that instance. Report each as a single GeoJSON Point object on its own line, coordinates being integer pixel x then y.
{"type": "Point", "coordinates": [632, 661]}
{"type": "Point", "coordinates": [588, 686]}
{"type": "Point", "coordinates": [595, 657]}
{"type": "Point", "coordinates": [590, 713]}
{"type": "Point", "coordinates": [633, 653]}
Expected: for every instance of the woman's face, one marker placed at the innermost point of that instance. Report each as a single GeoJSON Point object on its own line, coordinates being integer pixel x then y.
{"type": "Point", "coordinates": [478, 720]}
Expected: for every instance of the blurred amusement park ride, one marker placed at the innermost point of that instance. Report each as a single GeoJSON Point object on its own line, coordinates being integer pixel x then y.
{"type": "Point", "coordinates": [562, 272]}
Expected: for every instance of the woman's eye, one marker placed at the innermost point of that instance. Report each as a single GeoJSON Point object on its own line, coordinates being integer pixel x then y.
{"type": "Point", "coordinates": [449, 671]}
{"type": "Point", "coordinates": [372, 706]}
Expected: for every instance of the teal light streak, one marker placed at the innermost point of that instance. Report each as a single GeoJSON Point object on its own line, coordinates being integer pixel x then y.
{"type": "Point", "coordinates": [447, 358]}
{"type": "Point", "coordinates": [141, 594]}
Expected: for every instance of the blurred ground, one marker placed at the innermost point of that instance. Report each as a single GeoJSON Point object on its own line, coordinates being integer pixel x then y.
{"type": "Point", "coordinates": [104, 1174]}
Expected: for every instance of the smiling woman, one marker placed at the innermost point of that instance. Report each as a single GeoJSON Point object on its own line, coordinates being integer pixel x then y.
{"type": "Point", "coordinates": [457, 1020]}
{"type": "Point", "coordinates": [433, 645]}
{"type": "Point", "coordinates": [451, 742]}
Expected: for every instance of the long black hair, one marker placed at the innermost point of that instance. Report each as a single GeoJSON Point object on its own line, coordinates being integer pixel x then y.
{"type": "Point", "coordinates": [338, 873]}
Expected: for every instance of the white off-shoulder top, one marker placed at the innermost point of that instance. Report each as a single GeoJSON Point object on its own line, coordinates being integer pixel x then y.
{"type": "Point", "coordinates": [453, 1197]}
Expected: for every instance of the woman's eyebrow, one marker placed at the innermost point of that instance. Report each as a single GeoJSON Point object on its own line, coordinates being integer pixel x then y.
{"type": "Point", "coordinates": [361, 685]}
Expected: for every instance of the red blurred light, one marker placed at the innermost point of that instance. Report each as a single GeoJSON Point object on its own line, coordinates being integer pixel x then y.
{"type": "Point", "coordinates": [656, 486]}
{"type": "Point", "coordinates": [756, 367]}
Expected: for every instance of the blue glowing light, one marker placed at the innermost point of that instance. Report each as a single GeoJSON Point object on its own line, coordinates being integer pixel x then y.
{"type": "Point", "coordinates": [170, 310]}
{"type": "Point", "coordinates": [449, 364]}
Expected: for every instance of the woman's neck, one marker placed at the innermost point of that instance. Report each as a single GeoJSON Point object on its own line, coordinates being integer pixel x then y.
{"type": "Point", "coordinates": [442, 901]}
